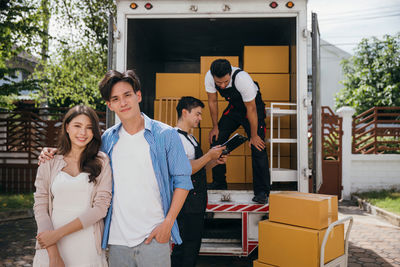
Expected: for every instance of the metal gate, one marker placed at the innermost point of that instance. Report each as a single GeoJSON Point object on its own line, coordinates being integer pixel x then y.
{"type": "Point", "coordinates": [331, 138]}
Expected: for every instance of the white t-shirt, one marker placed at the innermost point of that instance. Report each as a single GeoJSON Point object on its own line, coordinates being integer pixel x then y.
{"type": "Point", "coordinates": [189, 148]}
{"type": "Point", "coordinates": [243, 83]}
{"type": "Point", "coordinates": [137, 207]}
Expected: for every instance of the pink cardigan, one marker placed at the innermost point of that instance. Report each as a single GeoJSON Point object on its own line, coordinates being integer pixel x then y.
{"type": "Point", "coordinates": [100, 198]}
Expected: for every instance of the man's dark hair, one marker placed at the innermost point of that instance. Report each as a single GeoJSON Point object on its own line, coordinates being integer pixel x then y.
{"type": "Point", "coordinates": [220, 67]}
{"type": "Point", "coordinates": [112, 77]}
{"type": "Point", "coordinates": [188, 103]}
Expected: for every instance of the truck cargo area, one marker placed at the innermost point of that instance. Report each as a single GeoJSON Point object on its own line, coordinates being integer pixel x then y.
{"type": "Point", "coordinates": [176, 45]}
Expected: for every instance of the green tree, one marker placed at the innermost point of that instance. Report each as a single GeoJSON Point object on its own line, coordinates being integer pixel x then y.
{"type": "Point", "coordinates": [20, 32]}
{"type": "Point", "coordinates": [71, 75]}
{"type": "Point", "coordinates": [372, 75]}
{"type": "Point", "coordinates": [72, 78]}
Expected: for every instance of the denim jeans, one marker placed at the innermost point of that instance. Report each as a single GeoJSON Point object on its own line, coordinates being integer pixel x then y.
{"type": "Point", "coordinates": [152, 255]}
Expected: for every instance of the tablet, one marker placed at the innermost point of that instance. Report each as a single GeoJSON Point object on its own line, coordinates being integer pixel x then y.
{"type": "Point", "coordinates": [233, 143]}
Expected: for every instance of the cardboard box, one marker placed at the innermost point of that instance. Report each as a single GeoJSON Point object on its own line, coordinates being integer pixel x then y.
{"type": "Point", "coordinates": [235, 169]}
{"type": "Point", "coordinates": [257, 263]}
{"type": "Point", "coordinates": [205, 62]}
{"type": "Point", "coordinates": [313, 211]}
{"type": "Point", "coordinates": [287, 245]}
{"type": "Point", "coordinates": [273, 87]}
{"type": "Point", "coordinates": [177, 85]}
{"type": "Point", "coordinates": [202, 89]}
{"type": "Point", "coordinates": [266, 59]}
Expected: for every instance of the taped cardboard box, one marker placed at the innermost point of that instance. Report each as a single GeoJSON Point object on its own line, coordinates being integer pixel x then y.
{"type": "Point", "coordinates": [315, 211]}
{"type": "Point", "coordinates": [286, 245]}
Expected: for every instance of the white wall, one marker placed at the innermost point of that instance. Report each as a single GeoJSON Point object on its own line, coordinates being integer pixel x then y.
{"type": "Point", "coordinates": [365, 172]}
{"type": "Point", "coordinates": [374, 172]}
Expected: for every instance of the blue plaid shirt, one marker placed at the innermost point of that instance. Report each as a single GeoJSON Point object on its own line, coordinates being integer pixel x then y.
{"type": "Point", "coordinates": [171, 165]}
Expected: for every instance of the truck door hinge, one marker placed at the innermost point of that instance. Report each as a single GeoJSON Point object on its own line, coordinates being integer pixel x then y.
{"type": "Point", "coordinates": [193, 8]}
{"type": "Point", "coordinates": [307, 172]}
{"type": "Point", "coordinates": [306, 101]}
{"type": "Point", "coordinates": [226, 8]}
{"type": "Point", "coordinates": [306, 33]}
{"type": "Point", "coordinates": [117, 35]}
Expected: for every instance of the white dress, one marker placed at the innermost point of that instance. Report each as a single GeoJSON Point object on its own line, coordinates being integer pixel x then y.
{"type": "Point", "coordinates": [71, 199]}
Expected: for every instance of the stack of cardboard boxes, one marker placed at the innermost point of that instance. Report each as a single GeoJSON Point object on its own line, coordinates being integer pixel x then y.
{"type": "Point", "coordinates": [268, 65]}
{"type": "Point", "coordinates": [295, 230]}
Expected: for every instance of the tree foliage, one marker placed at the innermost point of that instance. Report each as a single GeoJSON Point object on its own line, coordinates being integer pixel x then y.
{"type": "Point", "coordinates": [73, 79]}
{"type": "Point", "coordinates": [20, 31]}
{"type": "Point", "coordinates": [372, 75]}
{"type": "Point", "coordinates": [71, 75]}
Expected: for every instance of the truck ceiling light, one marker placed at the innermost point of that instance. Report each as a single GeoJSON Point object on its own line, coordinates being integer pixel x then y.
{"type": "Point", "coordinates": [273, 4]}
{"type": "Point", "coordinates": [148, 6]}
{"type": "Point", "coordinates": [133, 5]}
{"type": "Point", "coordinates": [290, 4]}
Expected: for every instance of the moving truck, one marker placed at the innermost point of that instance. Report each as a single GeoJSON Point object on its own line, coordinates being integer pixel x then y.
{"type": "Point", "coordinates": [171, 43]}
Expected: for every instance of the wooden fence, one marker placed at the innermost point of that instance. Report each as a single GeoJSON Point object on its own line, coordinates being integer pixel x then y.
{"type": "Point", "coordinates": [377, 131]}
{"type": "Point", "coordinates": [23, 134]}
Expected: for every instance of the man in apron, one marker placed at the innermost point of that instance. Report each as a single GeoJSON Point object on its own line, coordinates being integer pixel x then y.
{"type": "Point", "coordinates": [245, 108]}
{"type": "Point", "coordinates": [191, 216]}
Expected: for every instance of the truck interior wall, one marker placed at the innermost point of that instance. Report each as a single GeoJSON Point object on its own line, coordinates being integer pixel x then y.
{"type": "Point", "coordinates": [176, 45]}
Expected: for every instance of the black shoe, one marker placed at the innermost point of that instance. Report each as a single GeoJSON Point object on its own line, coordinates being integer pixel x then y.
{"type": "Point", "coordinates": [217, 186]}
{"type": "Point", "coordinates": [260, 199]}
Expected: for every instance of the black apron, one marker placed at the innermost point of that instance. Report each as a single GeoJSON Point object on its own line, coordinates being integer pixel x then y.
{"type": "Point", "coordinates": [196, 200]}
{"type": "Point", "coordinates": [236, 104]}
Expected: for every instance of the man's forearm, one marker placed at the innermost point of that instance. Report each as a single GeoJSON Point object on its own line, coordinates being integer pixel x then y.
{"type": "Point", "coordinates": [213, 106]}
{"type": "Point", "coordinates": [253, 120]}
{"type": "Point", "coordinates": [178, 199]}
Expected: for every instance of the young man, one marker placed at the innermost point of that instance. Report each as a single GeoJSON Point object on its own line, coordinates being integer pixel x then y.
{"type": "Point", "coordinates": [245, 108]}
{"type": "Point", "coordinates": [151, 178]}
{"type": "Point", "coordinates": [191, 217]}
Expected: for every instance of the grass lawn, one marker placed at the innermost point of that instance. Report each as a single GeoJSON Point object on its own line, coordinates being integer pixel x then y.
{"type": "Point", "coordinates": [15, 201]}
{"type": "Point", "coordinates": [385, 199]}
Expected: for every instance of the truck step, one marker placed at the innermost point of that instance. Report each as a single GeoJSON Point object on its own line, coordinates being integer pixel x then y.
{"type": "Point", "coordinates": [222, 229]}
{"type": "Point", "coordinates": [221, 240]}
{"type": "Point", "coordinates": [228, 248]}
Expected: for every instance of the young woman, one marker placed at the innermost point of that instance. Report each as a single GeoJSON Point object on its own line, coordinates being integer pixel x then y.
{"type": "Point", "coordinates": [73, 193]}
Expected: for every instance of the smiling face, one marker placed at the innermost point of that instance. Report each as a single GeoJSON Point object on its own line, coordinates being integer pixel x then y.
{"type": "Point", "coordinates": [222, 82]}
{"type": "Point", "coordinates": [80, 132]}
{"type": "Point", "coordinates": [124, 101]}
{"type": "Point", "coordinates": [193, 117]}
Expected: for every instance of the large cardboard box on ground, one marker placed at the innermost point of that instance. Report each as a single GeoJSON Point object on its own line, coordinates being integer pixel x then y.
{"type": "Point", "coordinates": [273, 87]}
{"type": "Point", "coordinates": [205, 62]}
{"type": "Point", "coordinates": [266, 59]}
{"type": "Point", "coordinates": [313, 211]}
{"type": "Point", "coordinates": [177, 85]}
{"type": "Point", "coordinates": [257, 263]}
{"type": "Point", "coordinates": [286, 245]}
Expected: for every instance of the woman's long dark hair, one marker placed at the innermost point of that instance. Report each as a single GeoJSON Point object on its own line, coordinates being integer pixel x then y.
{"type": "Point", "coordinates": [89, 161]}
